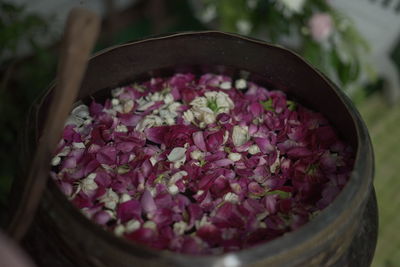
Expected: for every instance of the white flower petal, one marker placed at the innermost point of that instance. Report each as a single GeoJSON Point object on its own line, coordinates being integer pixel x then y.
{"type": "Point", "coordinates": [198, 111]}
{"type": "Point", "coordinates": [115, 110]}
{"type": "Point", "coordinates": [119, 230]}
{"type": "Point", "coordinates": [88, 184]}
{"type": "Point", "coordinates": [240, 135]}
{"type": "Point", "coordinates": [180, 227]}
{"type": "Point", "coordinates": [153, 160]}
{"type": "Point", "coordinates": [276, 164]}
{"type": "Point", "coordinates": [168, 98]}
{"type": "Point", "coordinates": [261, 216]}
{"type": "Point", "coordinates": [226, 136]}
{"type": "Point", "coordinates": [107, 167]}
{"type": "Point", "coordinates": [110, 199]}
{"type": "Point", "coordinates": [148, 122]}
{"type": "Point", "coordinates": [188, 116]}
{"type": "Point", "coordinates": [173, 107]}
{"type": "Point", "coordinates": [145, 106]}
{"type": "Point", "coordinates": [155, 97]}
{"type": "Point", "coordinates": [177, 176]}
{"type": "Point", "coordinates": [74, 120]}
{"type": "Point", "coordinates": [81, 111]}
{"type": "Point", "coordinates": [225, 85]}
{"type": "Point", "coordinates": [170, 121]}
{"type": "Point", "coordinates": [121, 129]}
{"type": "Point", "coordinates": [196, 155]}
{"type": "Point", "coordinates": [201, 110]}
{"type": "Point", "coordinates": [131, 157]}
{"type": "Point", "coordinates": [254, 149]}
{"type": "Point", "coordinates": [128, 105]}
{"type": "Point", "coordinates": [211, 95]}
{"type": "Point", "coordinates": [199, 102]}
{"type": "Point", "coordinates": [87, 122]}
{"type": "Point", "coordinates": [231, 197]}
{"type": "Point", "coordinates": [132, 226]}
{"type": "Point", "coordinates": [208, 118]}
{"type": "Point", "coordinates": [124, 198]}
{"type": "Point", "coordinates": [55, 161]}
{"type": "Point", "coordinates": [241, 84]}
{"type": "Point", "coordinates": [236, 188]}
{"type": "Point", "coordinates": [224, 101]}
{"type": "Point", "coordinates": [177, 154]}
{"type": "Point", "coordinates": [173, 189]}
{"type": "Point", "coordinates": [115, 102]}
{"type": "Point", "coordinates": [203, 222]}
{"type": "Point", "coordinates": [150, 225]}
{"type": "Point", "coordinates": [64, 152]}
{"type": "Point", "coordinates": [117, 91]}
{"type": "Point", "coordinates": [234, 156]}
{"type": "Point", "coordinates": [200, 192]}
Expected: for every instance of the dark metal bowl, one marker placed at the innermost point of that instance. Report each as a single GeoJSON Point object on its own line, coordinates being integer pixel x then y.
{"type": "Point", "coordinates": [325, 241]}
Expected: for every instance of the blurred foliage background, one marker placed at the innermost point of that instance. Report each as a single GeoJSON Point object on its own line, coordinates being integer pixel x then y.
{"type": "Point", "coordinates": [316, 30]}
{"type": "Point", "coordinates": [21, 80]}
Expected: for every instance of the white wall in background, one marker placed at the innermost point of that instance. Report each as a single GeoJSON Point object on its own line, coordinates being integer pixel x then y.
{"type": "Point", "coordinates": [380, 25]}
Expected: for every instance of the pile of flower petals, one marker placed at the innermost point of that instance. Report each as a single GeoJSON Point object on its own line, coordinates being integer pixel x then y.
{"type": "Point", "coordinates": [200, 165]}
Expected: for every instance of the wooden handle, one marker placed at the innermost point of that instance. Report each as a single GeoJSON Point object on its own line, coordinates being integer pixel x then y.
{"type": "Point", "coordinates": [80, 34]}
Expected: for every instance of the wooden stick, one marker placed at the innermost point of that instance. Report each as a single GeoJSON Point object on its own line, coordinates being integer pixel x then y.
{"type": "Point", "coordinates": [80, 34]}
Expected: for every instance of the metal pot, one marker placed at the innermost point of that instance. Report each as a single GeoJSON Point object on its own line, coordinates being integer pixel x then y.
{"type": "Point", "coordinates": [343, 234]}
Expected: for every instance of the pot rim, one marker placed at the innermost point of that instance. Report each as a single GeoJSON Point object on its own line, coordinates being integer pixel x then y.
{"type": "Point", "coordinates": [315, 231]}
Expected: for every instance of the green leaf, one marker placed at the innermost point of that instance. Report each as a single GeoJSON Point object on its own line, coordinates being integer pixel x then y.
{"type": "Point", "coordinates": [287, 218]}
{"type": "Point", "coordinates": [185, 216]}
{"type": "Point", "coordinates": [123, 169]}
{"type": "Point", "coordinates": [280, 193]}
{"type": "Point", "coordinates": [159, 178]}
{"type": "Point", "coordinates": [313, 215]}
{"type": "Point", "coordinates": [291, 105]}
{"type": "Point", "coordinates": [268, 105]}
{"type": "Point", "coordinates": [344, 73]}
{"type": "Point", "coordinates": [202, 163]}
{"type": "Point", "coordinates": [10, 9]}
{"type": "Point", "coordinates": [312, 169]}
{"type": "Point", "coordinates": [312, 52]}
{"type": "Point", "coordinates": [354, 71]}
{"type": "Point", "coordinates": [212, 104]}
{"type": "Point", "coordinates": [334, 59]}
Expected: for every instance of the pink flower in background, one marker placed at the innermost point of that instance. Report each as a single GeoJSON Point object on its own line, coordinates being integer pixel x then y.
{"type": "Point", "coordinates": [321, 26]}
